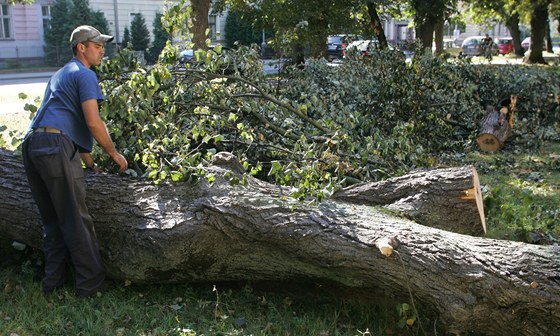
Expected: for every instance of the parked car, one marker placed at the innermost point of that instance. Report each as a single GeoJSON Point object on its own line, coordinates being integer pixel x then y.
{"type": "Point", "coordinates": [472, 46]}
{"type": "Point", "coordinates": [365, 47]}
{"type": "Point", "coordinates": [186, 56]}
{"type": "Point", "coordinates": [526, 44]}
{"type": "Point", "coordinates": [505, 45]}
{"type": "Point", "coordinates": [336, 45]}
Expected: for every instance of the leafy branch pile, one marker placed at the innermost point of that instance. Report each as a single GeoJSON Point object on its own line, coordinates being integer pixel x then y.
{"type": "Point", "coordinates": [316, 128]}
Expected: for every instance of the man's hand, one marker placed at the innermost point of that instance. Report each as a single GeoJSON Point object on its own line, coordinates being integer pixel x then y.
{"type": "Point", "coordinates": [121, 161]}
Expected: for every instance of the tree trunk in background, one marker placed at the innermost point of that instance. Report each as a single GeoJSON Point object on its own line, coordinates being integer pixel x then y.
{"type": "Point", "coordinates": [197, 232]}
{"type": "Point", "coordinates": [200, 8]}
{"type": "Point", "coordinates": [425, 32]}
{"type": "Point", "coordinates": [438, 36]}
{"type": "Point", "coordinates": [539, 19]}
{"type": "Point", "coordinates": [512, 23]}
{"type": "Point", "coordinates": [376, 24]}
{"type": "Point", "coordinates": [548, 37]}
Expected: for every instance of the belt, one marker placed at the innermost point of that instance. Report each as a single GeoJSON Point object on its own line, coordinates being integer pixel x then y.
{"type": "Point", "coordinates": [47, 129]}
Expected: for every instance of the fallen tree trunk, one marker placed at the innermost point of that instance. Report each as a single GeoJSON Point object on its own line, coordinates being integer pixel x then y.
{"type": "Point", "coordinates": [209, 233]}
{"type": "Point", "coordinates": [496, 125]}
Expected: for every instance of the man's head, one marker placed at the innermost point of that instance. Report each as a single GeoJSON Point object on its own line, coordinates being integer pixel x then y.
{"type": "Point", "coordinates": [84, 34]}
{"type": "Point", "coordinates": [88, 45]}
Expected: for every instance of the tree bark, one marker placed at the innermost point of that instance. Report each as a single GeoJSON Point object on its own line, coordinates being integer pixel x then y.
{"type": "Point", "coordinates": [539, 19]}
{"type": "Point", "coordinates": [198, 232]}
{"type": "Point", "coordinates": [200, 10]}
{"type": "Point", "coordinates": [512, 23]}
{"type": "Point", "coordinates": [548, 37]}
{"type": "Point", "coordinates": [449, 199]}
{"type": "Point", "coordinates": [376, 24]}
{"type": "Point", "coordinates": [438, 36]}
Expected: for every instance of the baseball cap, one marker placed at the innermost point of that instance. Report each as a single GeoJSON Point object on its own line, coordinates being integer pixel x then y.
{"type": "Point", "coordinates": [87, 33]}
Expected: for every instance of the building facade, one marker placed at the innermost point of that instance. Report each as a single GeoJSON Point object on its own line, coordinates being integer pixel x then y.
{"type": "Point", "coordinates": [22, 31]}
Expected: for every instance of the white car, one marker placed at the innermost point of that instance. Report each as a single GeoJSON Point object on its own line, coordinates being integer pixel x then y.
{"type": "Point", "coordinates": [364, 47]}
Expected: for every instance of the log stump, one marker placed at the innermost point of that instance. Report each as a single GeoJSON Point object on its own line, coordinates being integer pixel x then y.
{"type": "Point", "coordinates": [496, 125]}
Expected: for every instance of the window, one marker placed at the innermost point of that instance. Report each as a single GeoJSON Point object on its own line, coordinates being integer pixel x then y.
{"type": "Point", "coordinates": [46, 14]}
{"type": "Point", "coordinates": [5, 24]}
{"type": "Point", "coordinates": [212, 26]}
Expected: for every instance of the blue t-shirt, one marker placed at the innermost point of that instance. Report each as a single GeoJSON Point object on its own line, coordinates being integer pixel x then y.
{"type": "Point", "coordinates": [61, 108]}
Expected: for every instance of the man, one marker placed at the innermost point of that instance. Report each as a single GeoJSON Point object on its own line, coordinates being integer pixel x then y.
{"type": "Point", "coordinates": [487, 44]}
{"type": "Point", "coordinates": [64, 127]}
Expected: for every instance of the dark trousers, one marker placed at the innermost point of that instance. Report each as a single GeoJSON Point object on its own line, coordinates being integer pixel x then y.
{"type": "Point", "coordinates": [54, 171]}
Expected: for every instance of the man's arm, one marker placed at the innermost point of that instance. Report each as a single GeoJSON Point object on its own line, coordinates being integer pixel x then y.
{"type": "Point", "coordinates": [99, 131]}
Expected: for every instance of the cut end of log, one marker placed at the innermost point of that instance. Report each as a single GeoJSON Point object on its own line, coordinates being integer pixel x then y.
{"type": "Point", "coordinates": [476, 190]}
{"type": "Point", "coordinates": [386, 245]}
{"type": "Point", "coordinates": [488, 142]}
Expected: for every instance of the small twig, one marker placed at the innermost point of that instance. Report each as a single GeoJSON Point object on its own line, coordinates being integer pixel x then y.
{"type": "Point", "coordinates": [410, 293]}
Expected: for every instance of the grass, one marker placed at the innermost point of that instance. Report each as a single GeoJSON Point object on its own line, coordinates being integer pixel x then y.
{"type": "Point", "coordinates": [186, 310]}
{"type": "Point", "coordinates": [522, 201]}
{"type": "Point", "coordinates": [521, 192]}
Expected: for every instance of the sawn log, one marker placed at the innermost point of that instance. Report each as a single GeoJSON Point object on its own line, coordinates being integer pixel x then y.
{"type": "Point", "coordinates": [496, 125]}
{"type": "Point", "coordinates": [200, 232]}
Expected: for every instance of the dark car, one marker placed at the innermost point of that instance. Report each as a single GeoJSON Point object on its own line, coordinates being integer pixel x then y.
{"type": "Point", "coordinates": [186, 56]}
{"type": "Point", "coordinates": [336, 45]}
{"type": "Point", "coordinates": [473, 46]}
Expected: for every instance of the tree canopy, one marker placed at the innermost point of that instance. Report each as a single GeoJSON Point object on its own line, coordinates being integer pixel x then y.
{"type": "Point", "coordinates": [139, 33]}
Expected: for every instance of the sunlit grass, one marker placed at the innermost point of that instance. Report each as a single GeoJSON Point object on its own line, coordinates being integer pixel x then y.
{"type": "Point", "coordinates": [184, 310]}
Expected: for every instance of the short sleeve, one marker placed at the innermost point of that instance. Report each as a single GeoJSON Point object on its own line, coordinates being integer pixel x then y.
{"type": "Point", "coordinates": [89, 86]}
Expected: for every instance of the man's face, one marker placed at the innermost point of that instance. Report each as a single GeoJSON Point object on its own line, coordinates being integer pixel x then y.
{"type": "Point", "coordinates": [93, 53]}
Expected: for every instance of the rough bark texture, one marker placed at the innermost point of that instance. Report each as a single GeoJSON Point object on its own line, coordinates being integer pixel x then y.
{"type": "Point", "coordinates": [197, 232]}
{"type": "Point", "coordinates": [539, 18]}
{"type": "Point", "coordinates": [376, 24]}
{"type": "Point", "coordinates": [512, 23]}
{"type": "Point", "coordinates": [200, 8]}
{"type": "Point", "coordinates": [448, 199]}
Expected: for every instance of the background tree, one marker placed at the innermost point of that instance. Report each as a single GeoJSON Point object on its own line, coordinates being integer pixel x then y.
{"type": "Point", "coordinates": [57, 34]}
{"type": "Point", "coordinates": [161, 36]}
{"type": "Point", "coordinates": [486, 12]}
{"type": "Point", "coordinates": [244, 27]}
{"type": "Point", "coordinates": [139, 33]}
{"type": "Point", "coordinates": [126, 37]}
